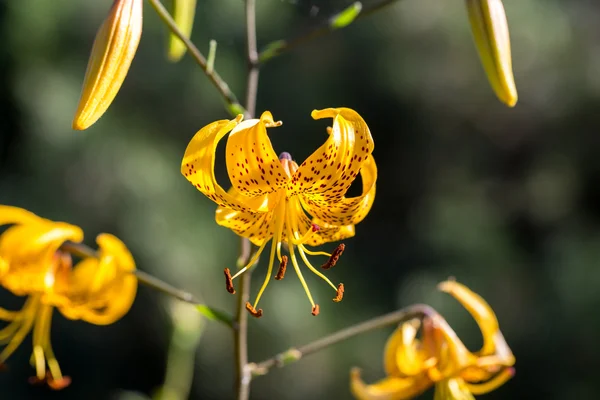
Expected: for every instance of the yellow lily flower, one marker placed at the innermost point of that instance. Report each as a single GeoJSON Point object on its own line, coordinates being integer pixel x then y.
{"type": "Point", "coordinates": [112, 53]}
{"type": "Point", "coordinates": [271, 196]}
{"type": "Point", "coordinates": [490, 31]}
{"type": "Point", "coordinates": [99, 291]}
{"type": "Point", "coordinates": [183, 15]}
{"type": "Point", "coordinates": [440, 358]}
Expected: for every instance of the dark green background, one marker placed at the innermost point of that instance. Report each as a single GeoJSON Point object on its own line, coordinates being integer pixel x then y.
{"type": "Point", "coordinates": [506, 200]}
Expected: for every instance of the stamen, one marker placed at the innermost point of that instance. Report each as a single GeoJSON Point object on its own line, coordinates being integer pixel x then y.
{"type": "Point", "coordinates": [340, 293]}
{"type": "Point", "coordinates": [314, 253]}
{"type": "Point", "coordinates": [335, 256]}
{"type": "Point", "coordinates": [296, 267]}
{"type": "Point", "coordinates": [315, 310]}
{"type": "Point", "coordinates": [282, 268]}
{"type": "Point", "coordinates": [314, 270]}
{"type": "Point", "coordinates": [279, 223]}
{"type": "Point", "coordinates": [253, 311]}
{"type": "Point", "coordinates": [58, 384]}
{"type": "Point", "coordinates": [252, 260]}
{"type": "Point", "coordinates": [229, 281]}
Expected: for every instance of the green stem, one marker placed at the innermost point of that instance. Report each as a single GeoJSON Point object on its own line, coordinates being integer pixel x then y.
{"type": "Point", "coordinates": [296, 353]}
{"type": "Point", "coordinates": [83, 251]}
{"type": "Point", "coordinates": [279, 47]}
{"type": "Point", "coordinates": [233, 105]}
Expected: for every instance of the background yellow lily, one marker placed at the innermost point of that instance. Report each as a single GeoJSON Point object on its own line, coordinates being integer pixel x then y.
{"type": "Point", "coordinates": [98, 290]}
{"type": "Point", "coordinates": [440, 357]}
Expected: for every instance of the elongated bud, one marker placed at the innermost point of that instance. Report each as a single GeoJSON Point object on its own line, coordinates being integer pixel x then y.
{"type": "Point", "coordinates": [113, 51]}
{"type": "Point", "coordinates": [490, 31]}
{"type": "Point", "coordinates": [183, 15]}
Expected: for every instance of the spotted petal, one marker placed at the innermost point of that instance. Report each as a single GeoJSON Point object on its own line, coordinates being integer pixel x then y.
{"type": "Point", "coordinates": [327, 233]}
{"type": "Point", "coordinates": [345, 211]}
{"type": "Point", "coordinates": [198, 166]}
{"type": "Point", "coordinates": [256, 226]}
{"type": "Point", "coordinates": [253, 166]}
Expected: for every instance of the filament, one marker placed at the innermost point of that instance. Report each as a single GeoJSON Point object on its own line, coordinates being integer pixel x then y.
{"type": "Point", "coordinates": [279, 223]}
{"type": "Point", "coordinates": [252, 260]}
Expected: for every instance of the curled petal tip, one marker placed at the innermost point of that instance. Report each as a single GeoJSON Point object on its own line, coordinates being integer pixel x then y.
{"type": "Point", "coordinates": [114, 47]}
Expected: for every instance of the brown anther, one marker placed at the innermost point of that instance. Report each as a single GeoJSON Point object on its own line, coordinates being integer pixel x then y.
{"type": "Point", "coordinates": [315, 228]}
{"type": "Point", "coordinates": [315, 310]}
{"type": "Point", "coordinates": [3, 367]}
{"type": "Point", "coordinates": [340, 293]}
{"type": "Point", "coordinates": [255, 313]}
{"type": "Point", "coordinates": [58, 384]}
{"type": "Point", "coordinates": [335, 256]}
{"type": "Point", "coordinates": [282, 268]}
{"type": "Point", "coordinates": [229, 281]}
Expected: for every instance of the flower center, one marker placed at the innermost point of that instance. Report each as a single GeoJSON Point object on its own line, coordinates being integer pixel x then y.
{"type": "Point", "coordinates": [288, 218]}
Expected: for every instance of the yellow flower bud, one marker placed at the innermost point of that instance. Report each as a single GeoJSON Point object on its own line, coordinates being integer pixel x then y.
{"type": "Point", "coordinates": [183, 15]}
{"type": "Point", "coordinates": [113, 51]}
{"type": "Point", "coordinates": [490, 31]}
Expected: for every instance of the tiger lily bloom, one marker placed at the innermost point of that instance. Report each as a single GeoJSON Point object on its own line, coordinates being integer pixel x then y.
{"type": "Point", "coordinates": [112, 54]}
{"type": "Point", "coordinates": [440, 358]}
{"type": "Point", "coordinates": [183, 15]}
{"type": "Point", "coordinates": [271, 198]}
{"type": "Point", "coordinates": [490, 32]}
{"type": "Point", "coordinates": [97, 290]}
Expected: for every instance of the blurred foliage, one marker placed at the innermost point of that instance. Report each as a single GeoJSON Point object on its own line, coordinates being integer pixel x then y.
{"type": "Point", "coordinates": [506, 200]}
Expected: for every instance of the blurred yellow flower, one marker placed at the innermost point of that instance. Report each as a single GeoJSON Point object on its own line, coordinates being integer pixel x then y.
{"type": "Point", "coordinates": [439, 357]}
{"type": "Point", "coordinates": [183, 15]}
{"type": "Point", "coordinates": [271, 196]}
{"type": "Point", "coordinates": [112, 53]}
{"type": "Point", "coordinates": [490, 31]}
{"type": "Point", "coordinates": [97, 290]}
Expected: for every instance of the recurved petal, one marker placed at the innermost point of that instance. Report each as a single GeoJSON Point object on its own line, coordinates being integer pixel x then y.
{"type": "Point", "coordinates": [402, 356]}
{"type": "Point", "coordinates": [199, 163]}
{"type": "Point", "coordinates": [328, 173]}
{"type": "Point", "coordinates": [390, 388]}
{"type": "Point", "coordinates": [326, 233]}
{"type": "Point", "coordinates": [102, 290]}
{"type": "Point", "coordinates": [345, 211]}
{"type": "Point", "coordinates": [112, 53]}
{"type": "Point", "coordinates": [481, 312]}
{"type": "Point", "coordinates": [183, 15]}
{"type": "Point", "coordinates": [490, 31]}
{"type": "Point", "coordinates": [253, 166]}
{"type": "Point", "coordinates": [16, 215]}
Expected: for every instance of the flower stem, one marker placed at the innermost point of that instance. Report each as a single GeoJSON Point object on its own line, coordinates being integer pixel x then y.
{"type": "Point", "coordinates": [233, 105]}
{"type": "Point", "coordinates": [242, 370]}
{"type": "Point", "coordinates": [296, 353]}
{"type": "Point", "coordinates": [279, 47]}
{"type": "Point", "coordinates": [83, 251]}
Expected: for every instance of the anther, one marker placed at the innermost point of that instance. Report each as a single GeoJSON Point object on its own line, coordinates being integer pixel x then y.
{"type": "Point", "coordinates": [282, 268]}
{"type": "Point", "coordinates": [340, 293]}
{"type": "Point", "coordinates": [253, 311]}
{"type": "Point", "coordinates": [58, 384]}
{"type": "Point", "coordinates": [315, 228]}
{"type": "Point", "coordinates": [335, 256]}
{"type": "Point", "coordinates": [229, 281]}
{"type": "Point", "coordinates": [315, 310]}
